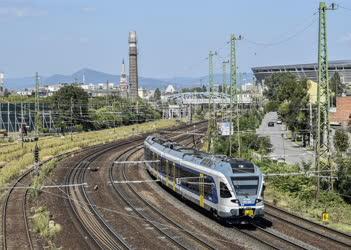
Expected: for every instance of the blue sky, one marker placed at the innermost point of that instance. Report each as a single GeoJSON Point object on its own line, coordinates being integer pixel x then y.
{"type": "Point", "coordinates": [63, 36]}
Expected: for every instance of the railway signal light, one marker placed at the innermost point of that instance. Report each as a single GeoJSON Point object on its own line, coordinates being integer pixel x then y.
{"type": "Point", "coordinates": [325, 216]}
{"type": "Point", "coordinates": [36, 159]}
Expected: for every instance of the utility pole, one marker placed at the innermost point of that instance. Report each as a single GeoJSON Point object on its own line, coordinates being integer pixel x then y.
{"type": "Point", "coordinates": [107, 92]}
{"type": "Point", "coordinates": [233, 92]}
{"type": "Point", "coordinates": [36, 105]}
{"type": "Point", "coordinates": [311, 125]}
{"type": "Point", "coordinates": [211, 104]}
{"type": "Point", "coordinates": [36, 160]}
{"type": "Point", "coordinates": [71, 118]}
{"type": "Point", "coordinates": [323, 145]}
{"type": "Point", "coordinates": [224, 86]}
{"type": "Point", "coordinates": [22, 124]}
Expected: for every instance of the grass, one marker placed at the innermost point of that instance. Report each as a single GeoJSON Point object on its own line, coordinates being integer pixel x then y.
{"type": "Point", "coordinates": [15, 159]}
{"type": "Point", "coordinates": [38, 181]}
{"type": "Point", "coordinates": [340, 211]}
{"type": "Point", "coordinates": [297, 194]}
{"type": "Point", "coordinates": [43, 225]}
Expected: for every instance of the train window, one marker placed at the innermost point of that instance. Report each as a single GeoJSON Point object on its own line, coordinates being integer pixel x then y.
{"type": "Point", "coordinates": [163, 165]}
{"type": "Point", "coordinates": [224, 191]}
{"type": "Point", "coordinates": [246, 185]}
{"type": "Point", "coordinates": [167, 168]}
{"type": "Point", "coordinates": [173, 171]}
{"type": "Point", "coordinates": [208, 183]}
{"type": "Point", "coordinates": [190, 181]}
{"type": "Point", "coordinates": [242, 167]}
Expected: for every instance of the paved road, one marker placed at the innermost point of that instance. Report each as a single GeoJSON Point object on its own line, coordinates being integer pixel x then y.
{"type": "Point", "coordinates": [287, 149]}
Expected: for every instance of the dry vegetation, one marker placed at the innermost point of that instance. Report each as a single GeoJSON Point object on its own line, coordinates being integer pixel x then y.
{"type": "Point", "coordinates": [14, 159]}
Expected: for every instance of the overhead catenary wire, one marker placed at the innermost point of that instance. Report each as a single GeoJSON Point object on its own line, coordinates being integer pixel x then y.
{"type": "Point", "coordinates": [48, 186]}
{"type": "Point", "coordinates": [290, 37]}
{"type": "Point", "coordinates": [83, 204]}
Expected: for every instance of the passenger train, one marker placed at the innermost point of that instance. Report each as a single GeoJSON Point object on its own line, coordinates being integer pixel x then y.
{"type": "Point", "coordinates": [231, 189]}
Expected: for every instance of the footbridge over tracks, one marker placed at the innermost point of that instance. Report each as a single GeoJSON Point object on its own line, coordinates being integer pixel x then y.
{"type": "Point", "coordinates": [202, 98]}
{"type": "Point", "coordinates": [186, 104]}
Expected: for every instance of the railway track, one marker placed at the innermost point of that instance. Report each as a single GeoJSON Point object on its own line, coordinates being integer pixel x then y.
{"type": "Point", "coordinates": [84, 209]}
{"type": "Point", "coordinates": [173, 231]}
{"type": "Point", "coordinates": [15, 225]}
{"type": "Point", "coordinates": [274, 239]}
{"type": "Point", "coordinates": [104, 236]}
{"type": "Point", "coordinates": [15, 230]}
{"type": "Point", "coordinates": [324, 237]}
{"type": "Point", "coordinates": [267, 237]}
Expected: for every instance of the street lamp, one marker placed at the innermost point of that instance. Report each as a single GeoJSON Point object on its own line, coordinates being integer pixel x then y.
{"type": "Point", "coordinates": [283, 145]}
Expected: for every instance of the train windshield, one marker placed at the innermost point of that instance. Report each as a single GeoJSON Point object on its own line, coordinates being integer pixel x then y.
{"type": "Point", "coordinates": [245, 185]}
{"type": "Point", "coordinates": [242, 167]}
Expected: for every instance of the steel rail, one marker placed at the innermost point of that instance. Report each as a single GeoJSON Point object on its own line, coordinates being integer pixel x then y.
{"type": "Point", "coordinates": [162, 215]}
{"type": "Point", "coordinates": [327, 233]}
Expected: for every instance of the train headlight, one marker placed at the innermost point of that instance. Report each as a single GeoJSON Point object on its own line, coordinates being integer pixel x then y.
{"type": "Point", "coordinates": [258, 201]}
{"type": "Point", "coordinates": [235, 201]}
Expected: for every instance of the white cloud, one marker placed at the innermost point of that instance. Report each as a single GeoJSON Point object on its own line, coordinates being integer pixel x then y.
{"type": "Point", "coordinates": [20, 12]}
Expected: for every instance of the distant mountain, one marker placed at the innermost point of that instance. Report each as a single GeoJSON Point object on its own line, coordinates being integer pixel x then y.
{"type": "Point", "coordinates": [93, 76]}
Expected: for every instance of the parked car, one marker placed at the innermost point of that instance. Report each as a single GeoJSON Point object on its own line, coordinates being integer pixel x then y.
{"type": "Point", "coordinates": [270, 124]}
{"type": "Point", "coordinates": [279, 122]}
{"type": "Point", "coordinates": [281, 160]}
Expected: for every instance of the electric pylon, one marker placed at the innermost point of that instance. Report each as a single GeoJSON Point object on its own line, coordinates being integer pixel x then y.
{"type": "Point", "coordinates": [323, 145]}
{"type": "Point", "coordinates": [36, 107]}
{"type": "Point", "coordinates": [233, 93]}
{"type": "Point", "coordinates": [224, 85]}
{"type": "Point", "coordinates": [211, 104]}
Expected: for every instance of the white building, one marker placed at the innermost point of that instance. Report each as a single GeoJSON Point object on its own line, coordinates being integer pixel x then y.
{"type": "Point", "coordinates": [24, 92]}
{"type": "Point", "coordinates": [54, 87]}
{"type": "Point", "coordinates": [247, 87]}
{"type": "Point", "coordinates": [170, 89]}
{"type": "Point", "coordinates": [89, 86]}
{"type": "Point", "coordinates": [123, 82]}
{"type": "Point", "coordinates": [105, 85]}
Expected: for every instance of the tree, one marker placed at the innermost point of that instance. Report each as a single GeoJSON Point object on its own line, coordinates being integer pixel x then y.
{"type": "Point", "coordinates": [195, 89]}
{"type": "Point", "coordinates": [341, 140]}
{"type": "Point", "coordinates": [343, 183]}
{"type": "Point", "coordinates": [106, 117]}
{"type": "Point", "coordinates": [157, 95]}
{"type": "Point", "coordinates": [277, 85]}
{"type": "Point", "coordinates": [337, 88]}
{"type": "Point", "coordinates": [67, 98]}
{"type": "Point", "coordinates": [290, 96]}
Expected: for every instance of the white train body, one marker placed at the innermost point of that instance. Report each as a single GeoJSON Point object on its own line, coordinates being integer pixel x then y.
{"type": "Point", "coordinates": [229, 188]}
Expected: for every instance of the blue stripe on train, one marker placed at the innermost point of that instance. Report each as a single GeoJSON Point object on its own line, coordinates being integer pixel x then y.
{"type": "Point", "coordinates": [212, 198]}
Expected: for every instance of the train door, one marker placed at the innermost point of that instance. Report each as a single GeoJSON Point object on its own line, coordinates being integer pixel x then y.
{"type": "Point", "coordinates": [202, 189]}
{"type": "Point", "coordinates": [167, 173]}
{"type": "Point", "coordinates": [174, 175]}
{"type": "Point", "coordinates": [157, 165]}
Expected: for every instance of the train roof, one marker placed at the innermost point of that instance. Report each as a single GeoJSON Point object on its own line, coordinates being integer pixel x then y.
{"type": "Point", "coordinates": [221, 163]}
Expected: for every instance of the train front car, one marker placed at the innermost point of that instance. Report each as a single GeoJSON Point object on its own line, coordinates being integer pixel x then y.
{"type": "Point", "coordinates": [229, 188]}
{"type": "Point", "coordinates": [242, 201]}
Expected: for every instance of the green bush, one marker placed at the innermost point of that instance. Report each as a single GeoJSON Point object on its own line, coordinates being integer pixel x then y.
{"type": "Point", "coordinates": [42, 224]}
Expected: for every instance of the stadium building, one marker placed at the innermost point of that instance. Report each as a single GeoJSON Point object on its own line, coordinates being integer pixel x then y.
{"type": "Point", "coordinates": [309, 71]}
